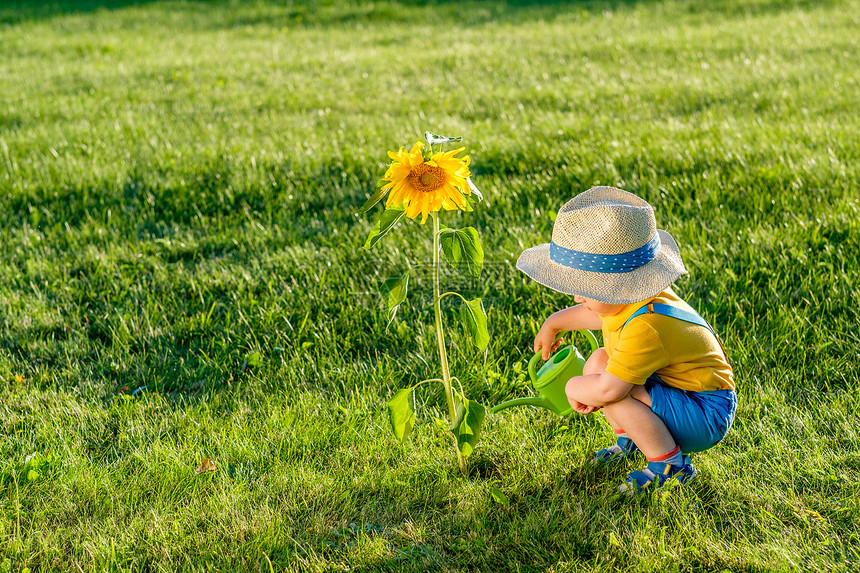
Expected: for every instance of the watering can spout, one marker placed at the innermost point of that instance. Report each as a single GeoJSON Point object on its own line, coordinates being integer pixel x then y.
{"type": "Point", "coordinates": [539, 401]}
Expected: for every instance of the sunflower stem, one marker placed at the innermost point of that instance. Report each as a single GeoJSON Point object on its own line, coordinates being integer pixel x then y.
{"type": "Point", "coordinates": [440, 338]}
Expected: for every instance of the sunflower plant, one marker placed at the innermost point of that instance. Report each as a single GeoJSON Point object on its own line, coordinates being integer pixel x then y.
{"type": "Point", "coordinates": [422, 182]}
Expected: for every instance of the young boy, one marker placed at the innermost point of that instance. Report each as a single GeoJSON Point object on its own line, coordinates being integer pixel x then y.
{"type": "Point", "coordinates": [662, 379]}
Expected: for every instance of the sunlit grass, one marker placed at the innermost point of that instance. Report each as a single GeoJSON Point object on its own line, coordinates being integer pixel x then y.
{"type": "Point", "coordinates": [178, 182]}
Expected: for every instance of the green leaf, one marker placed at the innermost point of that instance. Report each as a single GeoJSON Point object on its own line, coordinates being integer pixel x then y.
{"type": "Point", "coordinates": [395, 289]}
{"type": "Point", "coordinates": [375, 198]}
{"type": "Point", "coordinates": [251, 360]}
{"type": "Point", "coordinates": [462, 248]}
{"type": "Point", "coordinates": [400, 414]}
{"type": "Point", "coordinates": [469, 418]}
{"type": "Point", "coordinates": [475, 192]}
{"type": "Point", "coordinates": [386, 222]}
{"type": "Point", "coordinates": [433, 139]}
{"type": "Point", "coordinates": [459, 415]}
{"type": "Point", "coordinates": [475, 322]}
{"type": "Point", "coordinates": [498, 495]}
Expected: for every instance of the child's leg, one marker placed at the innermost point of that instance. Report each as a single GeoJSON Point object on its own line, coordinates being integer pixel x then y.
{"type": "Point", "coordinates": [633, 414]}
{"type": "Point", "coordinates": [649, 431]}
{"type": "Point", "coordinates": [596, 363]}
{"type": "Point", "coordinates": [623, 448]}
{"type": "Point", "coordinates": [625, 445]}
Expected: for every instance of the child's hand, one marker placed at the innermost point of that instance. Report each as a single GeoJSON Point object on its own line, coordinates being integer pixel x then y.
{"type": "Point", "coordinates": [581, 408]}
{"type": "Point", "coordinates": [545, 340]}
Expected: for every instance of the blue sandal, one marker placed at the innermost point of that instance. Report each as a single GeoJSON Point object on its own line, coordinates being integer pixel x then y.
{"type": "Point", "coordinates": [657, 473]}
{"type": "Point", "coordinates": [623, 449]}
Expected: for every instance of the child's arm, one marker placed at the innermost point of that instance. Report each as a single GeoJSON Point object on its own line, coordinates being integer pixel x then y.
{"type": "Point", "coordinates": [591, 392]}
{"type": "Point", "coordinates": [574, 318]}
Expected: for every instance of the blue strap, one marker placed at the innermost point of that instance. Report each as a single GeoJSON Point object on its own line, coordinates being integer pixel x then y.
{"type": "Point", "coordinates": [674, 312]}
{"type": "Point", "coordinates": [599, 263]}
{"type": "Point", "coordinates": [680, 314]}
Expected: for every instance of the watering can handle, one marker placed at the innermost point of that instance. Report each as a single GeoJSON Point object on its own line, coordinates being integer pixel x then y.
{"type": "Point", "coordinates": [533, 362]}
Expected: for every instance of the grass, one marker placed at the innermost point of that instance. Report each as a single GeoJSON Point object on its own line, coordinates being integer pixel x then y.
{"type": "Point", "coordinates": [178, 182]}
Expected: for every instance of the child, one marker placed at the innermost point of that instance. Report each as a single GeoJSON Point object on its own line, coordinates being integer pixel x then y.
{"type": "Point", "coordinates": [662, 380]}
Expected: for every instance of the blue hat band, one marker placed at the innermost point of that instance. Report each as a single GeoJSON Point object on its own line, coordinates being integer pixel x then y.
{"type": "Point", "coordinates": [619, 263]}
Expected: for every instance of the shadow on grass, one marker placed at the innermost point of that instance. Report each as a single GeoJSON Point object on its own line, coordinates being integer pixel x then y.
{"type": "Point", "coordinates": [17, 11]}
{"type": "Point", "coordinates": [279, 13]}
{"type": "Point", "coordinates": [21, 11]}
{"type": "Point", "coordinates": [475, 537]}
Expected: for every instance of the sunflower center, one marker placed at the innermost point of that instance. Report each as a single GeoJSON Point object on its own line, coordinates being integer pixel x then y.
{"type": "Point", "coordinates": [427, 178]}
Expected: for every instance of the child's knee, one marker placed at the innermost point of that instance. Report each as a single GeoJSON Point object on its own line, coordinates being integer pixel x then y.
{"type": "Point", "coordinates": [596, 363]}
{"type": "Point", "coordinates": [619, 406]}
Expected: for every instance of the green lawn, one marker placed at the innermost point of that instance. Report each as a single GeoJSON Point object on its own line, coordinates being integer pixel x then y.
{"type": "Point", "coordinates": [178, 184]}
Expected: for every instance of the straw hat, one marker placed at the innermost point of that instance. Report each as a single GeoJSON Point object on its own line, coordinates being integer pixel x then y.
{"type": "Point", "coordinates": [605, 246]}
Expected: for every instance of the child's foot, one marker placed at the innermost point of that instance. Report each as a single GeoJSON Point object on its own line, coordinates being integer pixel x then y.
{"type": "Point", "coordinates": [656, 474]}
{"type": "Point", "coordinates": [623, 449]}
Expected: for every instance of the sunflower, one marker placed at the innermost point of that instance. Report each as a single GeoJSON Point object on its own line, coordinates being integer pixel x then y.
{"type": "Point", "coordinates": [424, 187]}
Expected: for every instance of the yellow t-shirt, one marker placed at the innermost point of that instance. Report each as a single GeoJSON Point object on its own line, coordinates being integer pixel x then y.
{"type": "Point", "coordinates": [684, 355]}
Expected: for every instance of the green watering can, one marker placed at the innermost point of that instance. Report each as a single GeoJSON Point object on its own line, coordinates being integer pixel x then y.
{"type": "Point", "coordinates": [551, 379]}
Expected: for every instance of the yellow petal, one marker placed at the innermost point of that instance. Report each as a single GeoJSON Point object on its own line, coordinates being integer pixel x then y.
{"type": "Point", "coordinates": [454, 168]}
{"type": "Point", "coordinates": [398, 193]}
{"type": "Point", "coordinates": [449, 154]}
{"type": "Point", "coordinates": [412, 209]}
{"type": "Point", "coordinates": [462, 186]}
{"type": "Point", "coordinates": [398, 170]}
{"type": "Point", "coordinates": [436, 202]}
{"type": "Point", "coordinates": [455, 196]}
{"type": "Point", "coordinates": [425, 207]}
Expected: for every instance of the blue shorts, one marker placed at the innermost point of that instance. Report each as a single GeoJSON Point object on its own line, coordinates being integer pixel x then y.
{"type": "Point", "coordinates": [697, 420]}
